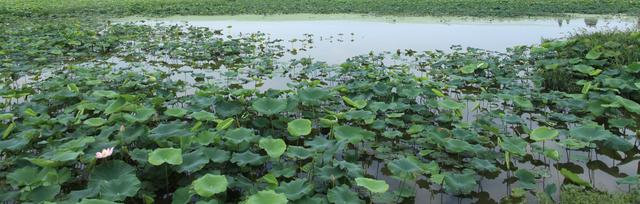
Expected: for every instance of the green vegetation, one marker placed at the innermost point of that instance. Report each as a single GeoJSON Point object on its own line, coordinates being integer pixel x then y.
{"type": "Point", "coordinates": [93, 112]}
{"type": "Point", "coordinates": [576, 195]}
{"type": "Point", "coordinates": [380, 7]}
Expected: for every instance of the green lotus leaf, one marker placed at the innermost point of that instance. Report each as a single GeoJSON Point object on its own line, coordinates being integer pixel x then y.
{"type": "Point", "coordinates": [217, 155]}
{"type": "Point", "coordinates": [296, 189]}
{"type": "Point", "coordinates": [459, 184]}
{"type": "Point", "coordinates": [105, 94]}
{"type": "Point", "coordinates": [141, 115]}
{"type": "Point", "coordinates": [373, 185]}
{"type": "Point", "coordinates": [359, 104]}
{"type": "Point", "coordinates": [585, 69]}
{"type": "Point", "coordinates": [43, 193]}
{"type": "Point", "coordinates": [115, 106]}
{"type": "Point", "coordinates": [637, 85]}
{"type": "Point", "coordinates": [328, 121]}
{"type": "Point", "coordinates": [203, 116]}
{"type": "Point", "coordinates": [527, 179]}
{"type": "Point", "coordinates": [240, 135]}
{"type": "Point", "coordinates": [468, 69]}
{"type": "Point", "coordinates": [543, 134]}
{"type": "Point", "coordinates": [165, 155]}
{"type": "Point", "coordinates": [343, 195]}
{"type": "Point", "coordinates": [552, 154]}
{"type": "Point", "coordinates": [6, 116]}
{"type": "Point", "coordinates": [572, 143]}
{"type": "Point", "coordinates": [228, 109]}
{"type": "Point", "coordinates": [438, 92]}
{"type": "Point", "coordinates": [269, 106]}
{"type": "Point", "coordinates": [457, 146]}
{"type": "Point", "coordinates": [313, 96]}
{"type": "Point", "coordinates": [593, 54]}
{"type": "Point", "coordinates": [267, 196]}
{"type": "Point", "coordinates": [95, 122]}
{"type": "Point", "coordinates": [298, 152]}
{"type": "Point", "coordinates": [210, 184]}
{"type": "Point", "coordinates": [193, 161]}
{"type": "Point", "coordinates": [224, 124]}
{"type": "Point", "coordinates": [96, 201]}
{"type": "Point", "coordinates": [589, 133]}
{"type": "Point", "coordinates": [617, 143]}
{"type": "Point", "coordinates": [522, 102]}
{"type": "Point", "coordinates": [174, 129]}
{"type": "Point", "coordinates": [450, 104]}
{"type": "Point", "coordinates": [299, 127]}
{"type": "Point", "coordinates": [274, 147]}
{"type": "Point", "coordinates": [629, 180]}
{"type": "Point", "coordinates": [319, 143]}
{"type": "Point", "coordinates": [24, 176]}
{"type": "Point", "coordinates": [352, 135]}
{"type": "Point", "coordinates": [247, 158]}
{"type": "Point", "coordinates": [574, 177]}
{"type": "Point", "coordinates": [483, 165]}
{"type": "Point", "coordinates": [366, 116]}
{"type": "Point", "coordinates": [633, 67]}
{"type": "Point", "coordinates": [176, 112]}
{"type": "Point", "coordinates": [630, 105]}
{"type": "Point", "coordinates": [181, 196]}
{"type": "Point", "coordinates": [405, 168]}
{"type": "Point", "coordinates": [114, 181]}
{"type": "Point", "coordinates": [515, 145]}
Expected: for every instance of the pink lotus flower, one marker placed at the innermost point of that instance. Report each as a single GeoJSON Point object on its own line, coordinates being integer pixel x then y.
{"type": "Point", "coordinates": [104, 153]}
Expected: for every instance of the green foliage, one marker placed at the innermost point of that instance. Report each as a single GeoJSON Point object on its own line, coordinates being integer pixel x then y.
{"type": "Point", "coordinates": [215, 140]}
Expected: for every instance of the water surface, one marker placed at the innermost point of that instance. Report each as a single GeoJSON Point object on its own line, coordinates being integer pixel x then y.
{"type": "Point", "coordinates": [338, 37]}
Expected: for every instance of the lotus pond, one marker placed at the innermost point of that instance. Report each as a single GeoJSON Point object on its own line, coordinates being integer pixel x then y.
{"type": "Point", "coordinates": [199, 114]}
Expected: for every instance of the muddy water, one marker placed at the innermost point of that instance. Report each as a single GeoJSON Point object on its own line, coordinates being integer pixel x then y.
{"type": "Point", "coordinates": [338, 37]}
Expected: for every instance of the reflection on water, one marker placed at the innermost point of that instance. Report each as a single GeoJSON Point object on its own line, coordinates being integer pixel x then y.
{"type": "Point", "coordinates": [337, 37]}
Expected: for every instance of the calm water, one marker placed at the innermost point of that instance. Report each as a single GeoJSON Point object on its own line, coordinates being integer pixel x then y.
{"type": "Point", "coordinates": [337, 37]}
{"type": "Point", "coordinates": [334, 38]}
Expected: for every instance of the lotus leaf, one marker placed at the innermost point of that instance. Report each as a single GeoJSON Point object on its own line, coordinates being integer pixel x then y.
{"type": "Point", "coordinates": [165, 155]}
{"type": "Point", "coordinates": [210, 184]}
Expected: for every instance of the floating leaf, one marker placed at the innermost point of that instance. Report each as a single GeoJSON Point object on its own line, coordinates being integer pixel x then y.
{"type": "Point", "coordinates": [269, 106]}
{"type": "Point", "coordinates": [203, 116]}
{"type": "Point", "coordinates": [165, 155]}
{"type": "Point", "coordinates": [267, 196]}
{"type": "Point", "coordinates": [589, 133]}
{"type": "Point", "coordinates": [449, 104]}
{"type": "Point", "coordinates": [299, 127]}
{"type": "Point", "coordinates": [224, 124]}
{"type": "Point", "coordinates": [240, 135]}
{"type": "Point", "coordinates": [375, 186]}
{"type": "Point", "coordinates": [115, 106]}
{"type": "Point", "coordinates": [543, 134]}
{"type": "Point", "coordinates": [459, 184]}
{"type": "Point", "coordinates": [210, 184]}
{"type": "Point", "coordinates": [574, 178]}
{"type": "Point", "coordinates": [296, 189]}
{"type": "Point", "coordinates": [247, 158]}
{"type": "Point", "coordinates": [343, 195]}
{"type": "Point", "coordinates": [630, 105]}
{"type": "Point", "coordinates": [176, 112]}
{"type": "Point", "coordinates": [522, 102]}
{"type": "Point", "coordinates": [95, 122]}
{"type": "Point", "coordinates": [352, 135]}
{"type": "Point", "coordinates": [115, 181]}
{"type": "Point", "coordinates": [274, 147]}
{"type": "Point", "coordinates": [359, 104]}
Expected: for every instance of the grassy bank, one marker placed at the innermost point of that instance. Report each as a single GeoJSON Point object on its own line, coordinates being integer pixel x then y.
{"type": "Point", "coordinates": [387, 7]}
